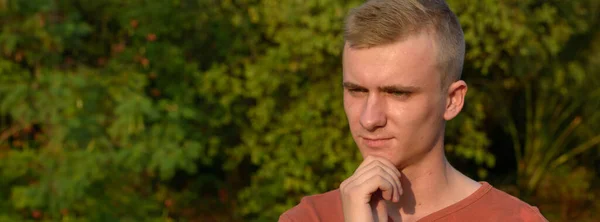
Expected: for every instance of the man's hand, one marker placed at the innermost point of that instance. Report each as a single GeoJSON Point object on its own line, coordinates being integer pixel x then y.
{"type": "Point", "coordinates": [364, 193]}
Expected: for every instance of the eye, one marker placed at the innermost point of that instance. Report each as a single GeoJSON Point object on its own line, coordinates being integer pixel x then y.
{"type": "Point", "coordinates": [399, 93]}
{"type": "Point", "coordinates": [355, 91]}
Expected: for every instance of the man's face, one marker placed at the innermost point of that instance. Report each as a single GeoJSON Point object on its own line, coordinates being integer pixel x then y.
{"type": "Point", "coordinates": [393, 99]}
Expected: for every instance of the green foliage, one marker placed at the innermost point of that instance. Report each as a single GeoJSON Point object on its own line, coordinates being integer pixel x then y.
{"type": "Point", "coordinates": [535, 55]}
{"type": "Point", "coordinates": [232, 110]}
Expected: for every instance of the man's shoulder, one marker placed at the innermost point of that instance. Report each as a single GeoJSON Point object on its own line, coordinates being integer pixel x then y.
{"type": "Point", "coordinates": [319, 207]}
{"type": "Point", "coordinates": [500, 204]}
{"type": "Point", "coordinates": [488, 204]}
{"type": "Point", "coordinates": [504, 201]}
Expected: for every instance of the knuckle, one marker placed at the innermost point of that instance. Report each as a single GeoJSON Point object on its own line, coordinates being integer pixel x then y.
{"type": "Point", "coordinates": [380, 179]}
{"type": "Point", "coordinates": [344, 189]}
{"type": "Point", "coordinates": [345, 183]}
{"type": "Point", "coordinates": [352, 190]}
{"type": "Point", "coordinates": [381, 163]}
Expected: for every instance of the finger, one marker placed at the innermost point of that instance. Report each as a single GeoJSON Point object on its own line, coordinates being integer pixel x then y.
{"type": "Point", "coordinates": [393, 194]}
{"type": "Point", "coordinates": [372, 158]}
{"type": "Point", "coordinates": [382, 160]}
{"type": "Point", "coordinates": [371, 184]}
{"type": "Point", "coordinates": [396, 171]}
{"type": "Point", "coordinates": [379, 162]}
{"type": "Point", "coordinates": [388, 163]}
{"type": "Point", "coordinates": [378, 166]}
{"type": "Point", "coordinates": [379, 210]}
{"type": "Point", "coordinates": [356, 173]}
{"type": "Point", "coordinates": [366, 161]}
{"type": "Point", "coordinates": [393, 168]}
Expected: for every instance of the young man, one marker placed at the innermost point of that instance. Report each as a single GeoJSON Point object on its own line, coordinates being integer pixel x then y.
{"type": "Point", "coordinates": [402, 63]}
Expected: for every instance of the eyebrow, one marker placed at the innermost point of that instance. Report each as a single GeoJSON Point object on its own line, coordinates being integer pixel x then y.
{"type": "Point", "coordinates": [388, 88]}
{"type": "Point", "coordinates": [352, 85]}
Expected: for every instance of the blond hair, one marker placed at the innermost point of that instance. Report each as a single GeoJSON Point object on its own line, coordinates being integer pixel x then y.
{"type": "Point", "coordinates": [381, 22]}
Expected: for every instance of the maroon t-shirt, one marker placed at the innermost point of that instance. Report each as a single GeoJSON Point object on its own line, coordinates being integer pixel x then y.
{"type": "Point", "coordinates": [485, 204]}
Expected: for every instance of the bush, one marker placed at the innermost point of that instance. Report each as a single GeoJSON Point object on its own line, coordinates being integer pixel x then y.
{"type": "Point", "coordinates": [232, 110]}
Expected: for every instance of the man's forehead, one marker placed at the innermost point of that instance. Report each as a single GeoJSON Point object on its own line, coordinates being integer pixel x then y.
{"type": "Point", "coordinates": [373, 68]}
{"type": "Point", "coordinates": [406, 58]}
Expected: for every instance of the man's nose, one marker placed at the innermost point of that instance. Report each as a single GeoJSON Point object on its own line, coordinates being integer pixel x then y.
{"type": "Point", "coordinates": [373, 115]}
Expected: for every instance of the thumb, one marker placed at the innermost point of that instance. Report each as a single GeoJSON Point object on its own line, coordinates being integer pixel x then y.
{"type": "Point", "coordinates": [378, 207]}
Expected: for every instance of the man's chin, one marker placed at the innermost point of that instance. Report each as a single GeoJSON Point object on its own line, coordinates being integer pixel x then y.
{"type": "Point", "coordinates": [383, 154]}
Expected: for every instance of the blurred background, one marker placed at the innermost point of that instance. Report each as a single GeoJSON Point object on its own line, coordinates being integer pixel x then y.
{"type": "Point", "coordinates": [231, 110]}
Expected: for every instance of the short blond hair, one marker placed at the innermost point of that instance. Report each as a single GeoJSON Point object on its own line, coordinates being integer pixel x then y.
{"type": "Point", "coordinates": [381, 22]}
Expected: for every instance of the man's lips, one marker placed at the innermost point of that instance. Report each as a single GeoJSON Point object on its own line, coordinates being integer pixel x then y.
{"type": "Point", "coordinates": [376, 142]}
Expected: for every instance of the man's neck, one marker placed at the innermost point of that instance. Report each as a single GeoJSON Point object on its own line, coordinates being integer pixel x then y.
{"type": "Point", "coordinates": [430, 185]}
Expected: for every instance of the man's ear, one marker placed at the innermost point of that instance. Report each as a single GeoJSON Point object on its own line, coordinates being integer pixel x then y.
{"type": "Point", "coordinates": [455, 99]}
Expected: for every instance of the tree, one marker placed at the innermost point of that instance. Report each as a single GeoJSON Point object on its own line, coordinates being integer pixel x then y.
{"type": "Point", "coordinates": [158, 110]}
